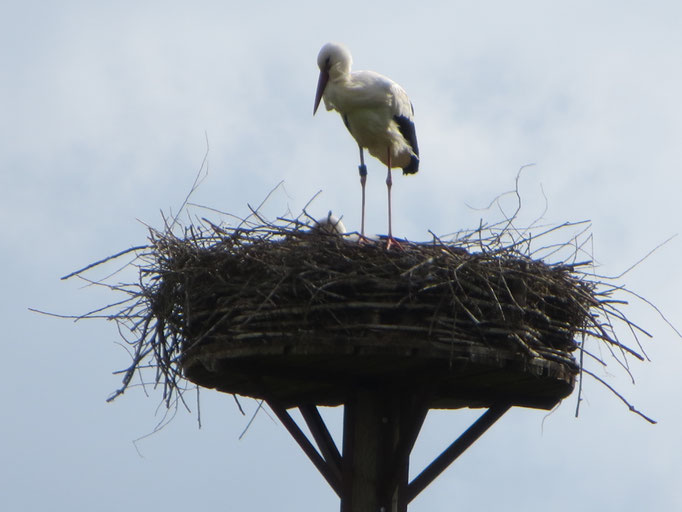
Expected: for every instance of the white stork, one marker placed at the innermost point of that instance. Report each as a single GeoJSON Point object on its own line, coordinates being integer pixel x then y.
{"type": "Point", "coordinates": [376, 111]}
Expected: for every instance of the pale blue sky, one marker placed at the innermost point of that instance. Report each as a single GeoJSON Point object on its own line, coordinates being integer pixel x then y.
{"type": "Point", "coordinates": [104, 107]}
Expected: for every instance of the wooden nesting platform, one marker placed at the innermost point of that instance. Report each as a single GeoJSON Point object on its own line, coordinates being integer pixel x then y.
{"type": "Point", "coordinates": [303, 318]}
{"type": "Point", "coordinates": [323, 372]}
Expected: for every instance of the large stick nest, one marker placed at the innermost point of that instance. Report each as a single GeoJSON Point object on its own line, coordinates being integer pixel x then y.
{"type": "Point", "coordinates": [223, 294]}
{"type": "Point", "coordinates": [212, 293]}
{"type": "Point", "coordinates": [299, 284]}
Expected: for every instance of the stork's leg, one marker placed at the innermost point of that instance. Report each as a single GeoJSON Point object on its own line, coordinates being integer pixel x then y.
{"type": "Point", "coordinates": [389, 184]}
{"type": "Point", "coordinates": [363, 179]}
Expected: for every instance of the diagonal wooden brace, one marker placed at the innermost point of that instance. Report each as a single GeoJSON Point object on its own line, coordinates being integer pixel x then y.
{"type": "Point", "coordinates": [322, 437]}
{"type": "Point", "coordinates": [459, 446]}
{"type": "Point", "coordinates": [329, 471]}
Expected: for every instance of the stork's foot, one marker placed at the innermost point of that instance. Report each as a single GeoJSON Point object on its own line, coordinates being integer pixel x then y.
{"type": "Point", "coordinates": [392, 243]}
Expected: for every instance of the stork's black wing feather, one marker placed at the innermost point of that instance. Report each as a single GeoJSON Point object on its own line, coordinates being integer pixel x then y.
{"type": "Point", "coordinates": [406, 127]}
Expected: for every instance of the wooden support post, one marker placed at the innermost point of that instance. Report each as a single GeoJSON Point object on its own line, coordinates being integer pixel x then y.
{"type": "Point", "coordinates": [363, 414]}
{"type": "Point", "coordinates": [379, 432]}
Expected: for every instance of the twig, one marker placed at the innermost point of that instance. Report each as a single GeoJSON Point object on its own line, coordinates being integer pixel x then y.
{"type": "Point", "coordinates": [621, 397]}
{"type": "Point", "coordinates": [104, 260]}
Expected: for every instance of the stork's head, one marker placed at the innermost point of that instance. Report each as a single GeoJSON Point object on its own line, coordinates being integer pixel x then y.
{"type": "Point", "coordinates": [334, 60]}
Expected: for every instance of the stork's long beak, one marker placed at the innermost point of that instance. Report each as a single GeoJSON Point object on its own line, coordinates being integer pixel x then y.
{"type": "Point", "coordinates": [321, 84]}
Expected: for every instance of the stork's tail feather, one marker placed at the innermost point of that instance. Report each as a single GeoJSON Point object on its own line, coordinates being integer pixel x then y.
{"type": "Point", "coordinates": [412, 167]}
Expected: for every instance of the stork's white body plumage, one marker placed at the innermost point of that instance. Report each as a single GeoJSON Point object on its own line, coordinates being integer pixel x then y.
{"type": "Point", "coordinates": [369, 104]}
{"type": "Point", "coordinates": [376, 111]}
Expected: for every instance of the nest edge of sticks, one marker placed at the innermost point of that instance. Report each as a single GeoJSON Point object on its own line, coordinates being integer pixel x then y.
{"type": "Point", "coordinates": [300, 315]}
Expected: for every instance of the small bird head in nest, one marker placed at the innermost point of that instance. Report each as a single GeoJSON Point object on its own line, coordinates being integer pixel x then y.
{"type": "Point", "coordinates": [330, 224]}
